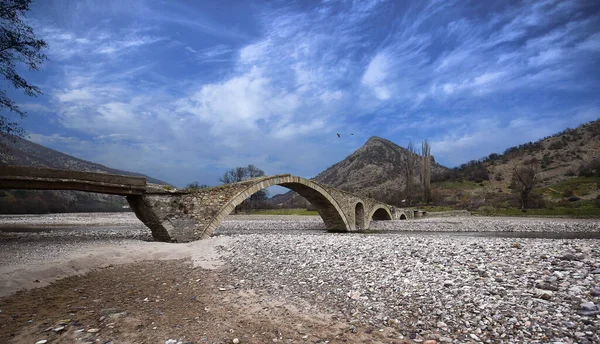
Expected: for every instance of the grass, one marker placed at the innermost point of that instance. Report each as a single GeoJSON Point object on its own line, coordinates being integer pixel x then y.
{"type": "Point", "coordinates": [284, 212]}
{"type": "Point", "coordinates": [434, 208]}
{"type": "Point", "coordinates": [586, 211]}
{"type": "Point", "coordinates": [464, 185]}
{"type": "Point", "coordinates": [580, 186]}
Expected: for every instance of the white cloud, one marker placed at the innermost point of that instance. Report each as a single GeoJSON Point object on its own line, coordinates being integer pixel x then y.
{"type": "Point", "coordinates": [546, 57]}
{"type": "Point", "coordinates": [253, 53]}
{"type": "Point", "coordinates": [112, 47]}
{"type": "Point", "coordinates": [237, 104]}
{"type": "Point", "coordinates": [331, 96]}
{"type": "Point", "coordinates": [375, 76]}
{"type": "Point", "coordinates": [35, 107]}
{"type": "Point", "coordinates": [591, 43]}
{"type": "Point", "coordinates": [487, 78]}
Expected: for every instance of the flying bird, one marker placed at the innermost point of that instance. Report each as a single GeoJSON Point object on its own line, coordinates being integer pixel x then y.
{"type": "Point", "coordinates": [338, 134]}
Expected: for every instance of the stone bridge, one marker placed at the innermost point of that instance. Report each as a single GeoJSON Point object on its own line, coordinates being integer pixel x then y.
{"type": "Point", "coordinates": [183, 215]}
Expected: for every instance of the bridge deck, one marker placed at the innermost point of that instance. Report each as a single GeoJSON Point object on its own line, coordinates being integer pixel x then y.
{"type": "Point", "coordinates": [24, 177]}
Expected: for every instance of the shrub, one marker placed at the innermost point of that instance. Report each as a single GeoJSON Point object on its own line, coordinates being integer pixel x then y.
{"type": "Point", "coordinates": [592, 169]}
{"type": "Point", "coordinates": [530, 161]}
{"type": "Point", "coordinates": [536, 201]}
{"type": "Point", "coordinates": [556, 145]}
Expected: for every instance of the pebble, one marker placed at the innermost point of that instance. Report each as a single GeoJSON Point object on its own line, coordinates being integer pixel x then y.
{"type": "Point", "coordinates": [93, 330]}
{"type": "Point", "coordinates": [400, 273]}
{"type": "Point", "coordinates": [235, 341]}
{"type": "Point", "coordinates": [472, 285]}
{"type": "Point", "coordinates": [43, 341]}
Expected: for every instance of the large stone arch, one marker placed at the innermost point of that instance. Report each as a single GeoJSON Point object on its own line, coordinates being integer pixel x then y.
{"type": "Point", "coordinates": [328, 208]}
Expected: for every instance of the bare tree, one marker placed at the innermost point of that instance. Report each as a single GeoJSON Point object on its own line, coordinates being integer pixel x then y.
{"type": "Point", "coordinates": [197, 185]}
{"type": "Point", "coordinates": [524, 179]}
{"type": "Point", "coordinates": [410, 172]}
{"type": "Point", "coordinates": [18, 44]}
{"type": "Point", "coordinates": [426, 170]}
{"type": "Point", "coordinates": [239, 174]}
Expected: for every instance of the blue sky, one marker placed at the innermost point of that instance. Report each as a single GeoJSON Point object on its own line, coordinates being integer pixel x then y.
{"type": "Point", "coordinates": [184, 90]}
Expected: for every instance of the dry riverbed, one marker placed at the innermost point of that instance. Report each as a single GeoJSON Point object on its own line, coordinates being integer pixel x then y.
{"type": "Point", "coordinates": [283, 279]}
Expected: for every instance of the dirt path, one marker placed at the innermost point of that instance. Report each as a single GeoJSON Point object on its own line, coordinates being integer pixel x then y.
{"type": "Point", "coordinates": [154, 301]}
{"type": "Point", "coordinates": [38, 270]}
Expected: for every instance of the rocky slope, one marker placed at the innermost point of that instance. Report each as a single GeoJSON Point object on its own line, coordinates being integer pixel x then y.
{"type": "Point", "coordinates": [26, 153]}
{"type": "Point", "coordinates": [377, 170]}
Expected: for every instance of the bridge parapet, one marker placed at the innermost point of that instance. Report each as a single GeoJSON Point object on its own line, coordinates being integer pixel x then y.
{"type": "Point", "coordinates": [24, 177]}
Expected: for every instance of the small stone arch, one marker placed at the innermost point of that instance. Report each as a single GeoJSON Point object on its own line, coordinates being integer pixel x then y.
{"type": "Point", "coordinates": [380, 214]}
{"type": "Point", "coordinates": [403, 216]}
{"type": "Point", "coordinates": [328, 208]}
{"type": "Point", "coordinates": [359, 216]}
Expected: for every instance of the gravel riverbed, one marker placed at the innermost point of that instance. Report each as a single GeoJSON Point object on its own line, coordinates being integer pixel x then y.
{"type": "Point", "coordinates": [395, 280]}
{"type": "Point", "coordinates": [446, 288]}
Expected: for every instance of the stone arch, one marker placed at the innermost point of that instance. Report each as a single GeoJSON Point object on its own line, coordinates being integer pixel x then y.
{"type": "Point", "coordinates": [380, 213]}
{"type": "Point", "coordinates": [328, 208]}
{"type": "Point", "coordinates": [402, 216]}
{"type": "Point", "coordinates": [359, 216]}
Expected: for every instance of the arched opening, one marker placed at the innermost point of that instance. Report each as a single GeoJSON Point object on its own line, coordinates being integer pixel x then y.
{"type": "Point", "coordinates": [381, 214]}
{"type": "Point", "coordinates": [402, 217]}
{"type": "Point", "coordinates": [359, 216]}
{"type": "Point", "coordinates": [326, 206]}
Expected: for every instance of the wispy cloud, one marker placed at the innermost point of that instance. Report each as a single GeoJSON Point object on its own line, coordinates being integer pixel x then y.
{"type": "Point", "coordinates": [191, 88]}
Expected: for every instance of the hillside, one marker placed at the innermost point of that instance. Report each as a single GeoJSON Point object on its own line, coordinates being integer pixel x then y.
{"type": "Point", "coordinates": [26, 153]}
{"type": "Point", "coordinates": [377, 170]}
{"type": "Point", "coordinates": [567, 163]}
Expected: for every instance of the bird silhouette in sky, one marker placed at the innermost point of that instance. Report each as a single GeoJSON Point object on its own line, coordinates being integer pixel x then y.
{"type": "Point", "coordinates": [338, 134]}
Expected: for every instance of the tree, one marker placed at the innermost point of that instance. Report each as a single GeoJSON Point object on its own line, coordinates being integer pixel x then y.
{"type": "Point", "coordinates": [426, 170]}
{"type": "Point", "coordinates": [196, 185]}
{"type": "Point", "coordinates": [239, 174]}
{"type": "Point", "coordinates": [410, 171]}
{"type": "Point", "coordinates": [524, 179]}
{"type": "Point", "coordinates": [17, 44]}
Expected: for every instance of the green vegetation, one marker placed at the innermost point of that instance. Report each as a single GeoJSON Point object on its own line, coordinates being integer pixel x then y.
{"type": "Point", "coordinates": [291, 211]}
{"type": "Point", "coordinates": [462, 185]}
{"type": "Point", "coordinates": [579, 186]}
{"type": "Point", "coordinates": [582, 210]}
{"type": "Point", "coordinates": [434, 208]}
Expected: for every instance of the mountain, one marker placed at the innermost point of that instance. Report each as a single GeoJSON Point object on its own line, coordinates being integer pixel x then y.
{"type": "Point", "coordinates": [377, 170]}
{"type": "Point", "coordinates": [26, 153]}
{"type": "Point", "coordinates": [568, 164]}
